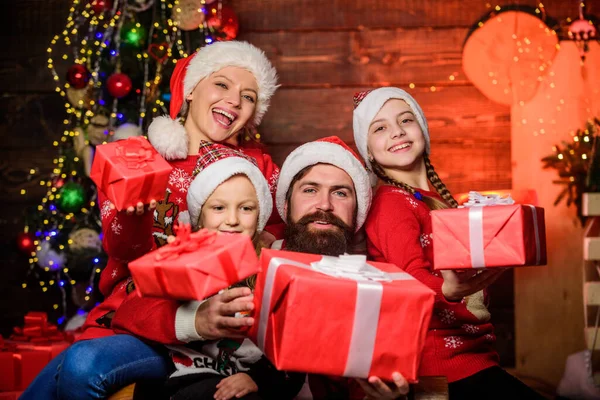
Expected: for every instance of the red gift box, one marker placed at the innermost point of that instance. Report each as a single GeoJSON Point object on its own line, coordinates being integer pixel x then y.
{"type": "Point", "coordinates": [10, 395]}
{"type": "Point", "coordinates": [195, 266]}
{"type": "Point", "coordinates": [129, 171]}
{"type": "Point", "coordinates": [29, 350]}
{"type": "Point", "coordinates": [489, 236]}
{"type": "Point", "coordinates": [309, 321]}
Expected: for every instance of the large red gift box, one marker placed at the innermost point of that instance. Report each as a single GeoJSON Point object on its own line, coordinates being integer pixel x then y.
{"type": "Point", "coordinates": [195, 266]}
{"type": "Point", "coordinates": [369, 322]}
{"type": "Point", "coordinates": [29, 350]}
{"type": "Point", "coordinates": [488, 236]}
{"type": "Point", "coordinates": [129, 171]}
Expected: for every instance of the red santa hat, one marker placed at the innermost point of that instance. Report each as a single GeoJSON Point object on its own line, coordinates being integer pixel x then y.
{"type": "Point", "coordinates": [167, 134]}
{"type": "Point", "coordinates": [330, 150]}
{"type": "Point", "coordinates": [366, 106]}
{"type": "Point", "coordinates": [217, 164]}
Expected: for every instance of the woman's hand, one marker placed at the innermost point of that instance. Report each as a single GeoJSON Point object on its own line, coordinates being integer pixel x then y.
{"type": "Point", "coordinates": [461, 284]}
{"type": "Point", "coordinates": [215, 317]}
{"type": "Point", "coordinates": [138, 209]}
{"type": "Point", "coordinates": [375, 388]}
{"type": "Point", "coordinates": [237, 385]}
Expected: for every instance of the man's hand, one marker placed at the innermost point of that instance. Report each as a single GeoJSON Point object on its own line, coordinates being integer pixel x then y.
{"type": "Point", "coordinates": [216, 319]}
{"type": "Point", "coordinates": [237, 385]}
{"type": "Point", "coordinates": [461, 284]}
{"type": "Point", "coordinates": [375, 388]}
{"type": "Point", "coordinates": [138, 209]}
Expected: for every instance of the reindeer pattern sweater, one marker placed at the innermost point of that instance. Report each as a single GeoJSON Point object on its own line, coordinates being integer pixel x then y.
{"type": "Point", "coordinates": [460, 338]}
{"type": "Point", "coordinates": [128, 237]}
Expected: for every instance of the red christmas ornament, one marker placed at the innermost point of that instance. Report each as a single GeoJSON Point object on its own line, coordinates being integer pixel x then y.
{"type": "Point", "coordinates": [224, 21]}
{"type": "Point", "coordinates": [118, 85]}
{"type": "Point", "coordinates": [25, 242]}
{"type": "Point", "coordinates": [78, 76]}
{"type": "Point", "coordinates": [99, 6]}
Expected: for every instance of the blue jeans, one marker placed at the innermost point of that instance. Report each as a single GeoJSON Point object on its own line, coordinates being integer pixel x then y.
{"type": "Point", "coordinates": [95, 369]}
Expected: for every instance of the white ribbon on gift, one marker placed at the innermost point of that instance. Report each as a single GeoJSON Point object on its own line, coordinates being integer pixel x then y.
{"type": "Point", "coordinates": [475, 205]}
{"type": "Point", "coordinates": [368, 303]}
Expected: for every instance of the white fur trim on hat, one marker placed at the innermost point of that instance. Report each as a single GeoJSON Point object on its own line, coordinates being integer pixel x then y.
{"type": "Point", "coordinates": [368, 108]}
{"type": "Point", "coordinates": [207, 180]}
{"type": "Point", "coordinates": [216, 56]}
{"type": "Point", "coordinates": [169, 138]}
{"type": "Point", "coordinates": [321, 152]}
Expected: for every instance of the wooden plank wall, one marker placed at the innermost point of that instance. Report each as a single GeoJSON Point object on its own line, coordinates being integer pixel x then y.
{"type": "Point", "coordinates": [325, 51]}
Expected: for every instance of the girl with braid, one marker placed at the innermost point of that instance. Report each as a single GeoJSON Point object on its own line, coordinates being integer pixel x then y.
{"type": "Point", "coordinates": [391, 134]}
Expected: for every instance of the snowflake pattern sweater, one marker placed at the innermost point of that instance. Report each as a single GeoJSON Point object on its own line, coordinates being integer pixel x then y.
{"type": "Point", "coordinates": [125, 239]}
{"type": "Point", "coordinates": [460, 338]}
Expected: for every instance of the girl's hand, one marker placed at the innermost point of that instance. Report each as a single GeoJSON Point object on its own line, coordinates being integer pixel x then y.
{"type": "Point", "coordinates": [216, 319]}
{"type": "Point", "coordinates": [375, 388]}
{"type": "Point", "coordinates": [461, 284]}
{"type": "Point", "coordinates": [138, 209]}
{"type": "Point", "coordinates": [237, 385]}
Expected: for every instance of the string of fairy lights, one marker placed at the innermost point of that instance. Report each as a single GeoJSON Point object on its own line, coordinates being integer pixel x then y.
{"type": "Point", "coordinates": [97, 36]}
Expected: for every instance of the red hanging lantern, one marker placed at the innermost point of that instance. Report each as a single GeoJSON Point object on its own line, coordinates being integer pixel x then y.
{"type": "Point", "coordinates": [118, 85]}
{"type": "Point", "coordinates": [224, 21]}
{"type": "Point", "coordinates": [78, 76]}
{"type": "Point", "coordinates": [99, 6]}
{"type": "Point", "coordinates": [25, 242]}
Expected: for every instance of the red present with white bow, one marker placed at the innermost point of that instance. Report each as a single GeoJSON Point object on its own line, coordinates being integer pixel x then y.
{"type": "Point", "coordinates": [490, 231]}
{"type": "Point", "coordinates": [194, 266]}
{"type": "Point", "coordinates": [340, 315]}
{"type": "Point", "coordinates": [129, 171]}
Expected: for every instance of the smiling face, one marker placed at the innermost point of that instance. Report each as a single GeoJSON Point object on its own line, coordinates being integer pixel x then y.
{"type": "Point", "coordinates": [395, 139]}
{"type": "Point", "coordinates": [321, 211]}
{"type": "Point", "coordinates": [232, 208]}
{"type": "Point", "coordinates": [222, 104]}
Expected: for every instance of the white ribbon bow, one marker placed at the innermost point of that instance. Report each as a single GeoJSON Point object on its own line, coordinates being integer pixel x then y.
{"type": "Point", "coordinates": [368, 303]}
{"type": "Point", "coordinates": [477, 199]}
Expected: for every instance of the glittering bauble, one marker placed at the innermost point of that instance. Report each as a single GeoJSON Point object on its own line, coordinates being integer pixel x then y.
{"type": "Point", "coordinates": [125, 131]}
{"type": "Point", "coordinates": [80, 98]}
{"type": "Point", "coordinates": [99, 6]}
{"type": "Point", "coordinates": [133, 34]}
{"type": "Point", "coordinates": [97, 130]}
{"type": "Point", "coordinates": [189, 14]}
{"type": "Point", "coordinates": [49, 258]}
{"type": "Point", "coordinates": [118, 85]}
{"type": "Point", "coordinates": [225, 22]}
{"type": "Point", "coordinates": [78, 76]}
{"type": "Point", "coordinates": [25, 242]}
{"type": "Point", "coordinates": [72, 197]}
{"type": "Point", "coordinates": [85, 239]}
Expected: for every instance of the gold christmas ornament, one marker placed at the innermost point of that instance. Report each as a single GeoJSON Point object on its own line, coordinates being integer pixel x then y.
{"type": "Point", "coordinates": [85, 239]}
{"type": "Point", "coordinates": [189, 14]}
{"type": "Point", "coordinates": [97, 130]}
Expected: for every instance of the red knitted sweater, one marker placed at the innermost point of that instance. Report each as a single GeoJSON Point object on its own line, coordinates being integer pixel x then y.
{"type": "Point", "coordinates": [127, 238]}
{"type": "Point", "coordinates": [460, 339]}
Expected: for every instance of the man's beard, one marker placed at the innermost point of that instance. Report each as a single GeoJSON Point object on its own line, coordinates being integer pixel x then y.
{"type": "Point", "coordinates": [329, 242]}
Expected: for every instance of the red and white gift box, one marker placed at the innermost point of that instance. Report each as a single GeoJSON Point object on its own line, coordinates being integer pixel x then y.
{"type": "Point", "coordinates": [317, 314]}
{"type": "Point", "coordinates": [483, 236]}
{"type": "Point", "coordinates": [129, 171]}
{"type": "Point", "coordinates": [195, 266]}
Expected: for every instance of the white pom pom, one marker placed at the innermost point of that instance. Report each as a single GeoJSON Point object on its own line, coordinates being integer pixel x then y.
{"type": "Point", "coordinates": [184, 217]}
{"type": "Point", "coordinates": [125, 131]}
{"type": "Point", "coordinates": [169, 138]}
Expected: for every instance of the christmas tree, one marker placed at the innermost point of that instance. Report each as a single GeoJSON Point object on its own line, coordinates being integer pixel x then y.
{"type": "Point", "coordinates": [578, 165]}
{"type": "Point", "coordinates": [111, 65]}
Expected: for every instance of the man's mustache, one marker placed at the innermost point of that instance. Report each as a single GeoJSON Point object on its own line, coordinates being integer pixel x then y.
{"type": "Point", "coordinates": [324, 217]}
